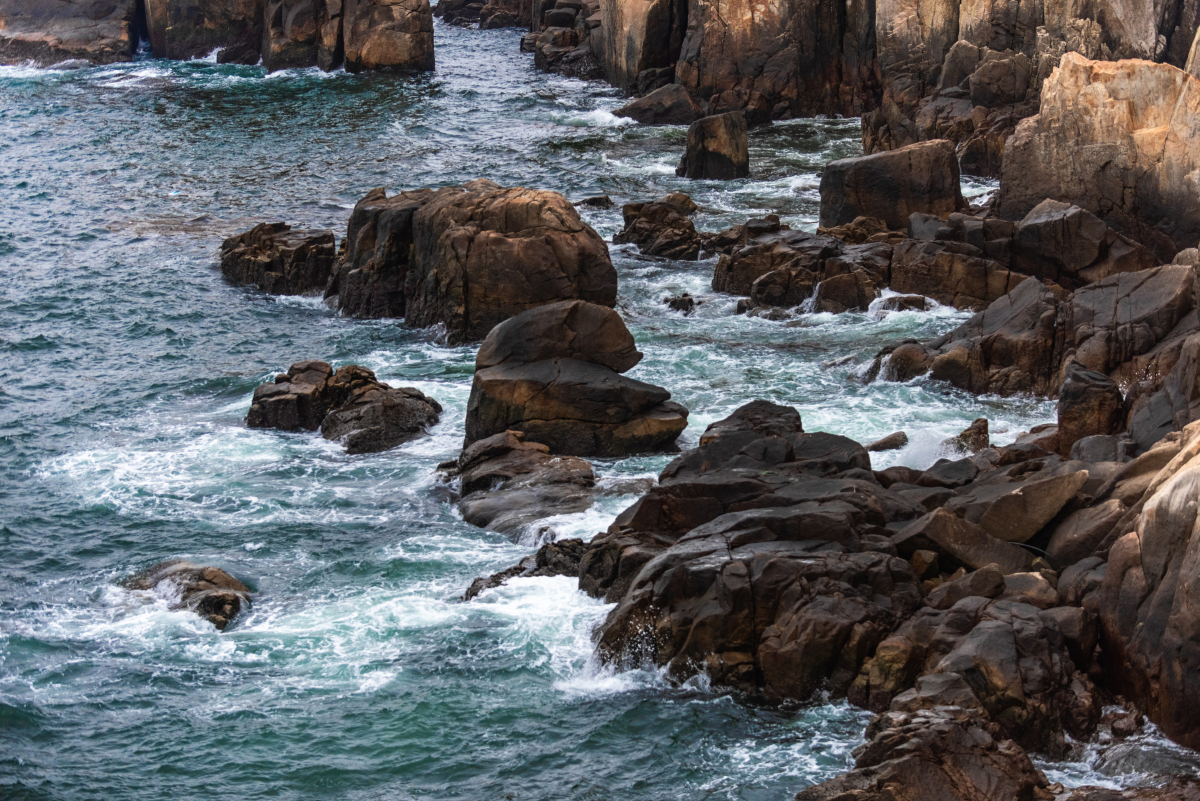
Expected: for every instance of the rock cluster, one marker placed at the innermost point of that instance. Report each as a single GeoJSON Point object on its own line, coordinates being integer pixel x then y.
{"type": "Point", "coordinates": [554, 373]}
{"type": "Point", "coordinates": [662, 228]}
{"type": "Point", "coordinates": [468, 257]}
{"type": "Point", "coordinates": [349, 406]}
{"type": "Point", "coordinates": [210, 592]}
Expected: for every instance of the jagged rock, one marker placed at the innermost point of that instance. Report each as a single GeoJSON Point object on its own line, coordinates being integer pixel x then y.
{"type": "Point", "coordinates": [596, 202]}
{"type": "Point", "coordinates": [986, 582]}
{"type": "Point", "coordinates": [717, 148]}
{"type": "Point", "coordinates": [1014, 510]}
{"type": "Point", "coordinates": [761, 250]}
{"type": "Point", "coordinates": [51, 31]}
{"type": "Point", "coordinates": [973, 439]}
{"type": "Point", "coordinates": [892, 186]}
{"type": "Point", "coordinates": [185, 29]}
{"type": "Point", "coordinates": [681, 303]}
{"type": "Point", "coordinates": [208, 591]}
{"type": "Point", "coordinates": [1072, 247]}
{"type": "Point", "coordinates": [959, 542]}
{"type": "Point", "coordinates": [944, 754]}
{"type": "Point", "coordinates": [279, 260]}
{"type": "Point", "coordinates": [1077, 536]}
{"type": "Point", "coordinates": [1089, 404]}
{"type": "Point", "coordinates": [387, 35]}
{"type": "Point", "coordinates": [844, 292]}
{"type": "Point", "coordinates": [349, 406]}
{"type": "Point", "coordinates": [559, 558]}
{"type": "Point", "coordinates": [291, 34]}
{"type": "Point", "coordinates": [1179, 789]}
{"type": "Point", "coordinates": [507, 483]}
{"type": "Point", "coordinates": [1031, 588]}
{"type": "Point", "coordinates": [662, 228]}
{"type": "Point", "coordinates": [667, 105]}
{"type": "Point", "coordinates": [552, 372]}
{"type": "Point", "coordinates": [468, 257]}
{"type": "Point", "coordinates": [1118, 140]}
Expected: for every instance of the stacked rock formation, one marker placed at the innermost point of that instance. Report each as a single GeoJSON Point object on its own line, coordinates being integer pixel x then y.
{"type": "Point", "coordinates": [554, 374]}
{"type": "Point", "coordinates": [349, 406]}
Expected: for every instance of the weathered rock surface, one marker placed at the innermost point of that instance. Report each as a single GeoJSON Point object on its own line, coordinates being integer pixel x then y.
{"type": "Point", "coordinates": [553, 372]}
{"type": "Point", "coordinates": [468, 257]}
{"type": "Point", "coordinates": [100, 31]}
{"type": "Point", "coordinates": [558, 558]}
{"type": "Point", "coordinates": [349, 406]}
{"type": "Point", "coordinates": [717, 148]}
{"type": "Point", "coordinates": [668, 105]}
{"type": "Point", "coordinates": [892, 186]}
{"type": "Point", "coordinates": [186, 29]}
{"type": "Point", "coordinates": [279, 260]}
{"type": "Point", "coordinates": [1118, 139]}
{"type": "Point", "coordinates": [638, 36]}
{"type": "Point", "coordinates": [293, 34]}
{"type": "Point", "coordinates": [208, 591]}
{"type": "Point", "coordinates": [506, 483]}
{"type": "Point", "coordinates": [662, 228]}
{"type": "Point", "coordinates": [1089, 404]}
{"type": "Point", "coordinates": [387, 35]}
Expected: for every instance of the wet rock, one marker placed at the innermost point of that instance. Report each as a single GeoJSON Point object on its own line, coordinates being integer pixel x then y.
{"type": "Point", "coordinates": [762, 250]}
{"type": "Point", "coordinates": [468, 257]}
{"type": "Point", "coordinates": [1089, 404]}
{"type": "Point", "coordinates": [559, 558]}
{"type": "Point", "coordinates": [973, 439]}
{"type": "Point", "coordinates": [954, 274]}
{"type": "Point", "coordinates": [937, 754]}
{"type": "Point", "coordinates": [662, 228]}
{"type": "Point", "coordinates": [291, 34]}
{"type": "Point", "coordinates": [959, 542]}
{"type": "Point", "coordinates": [553, 373]}
{"type": "Point", "coordinates": [681, 303]}
{"type": "Point", "coordinates": [1117, 161]}
{"type": "Point", "coordinates": [892, 186]}
{"type": "Point", "coordinates": [892, 442]}
{"type": "Point", "coordinates": [904, 303]}
{"type": "Point", "coordinates": [508, 484]}
{"type": "Point", "coordinates": [208, 591]}
{"type": "Point", "coordinates": [845, 292]}
{"type": "Point", "coordinates": [596, 202]}
{"type": "Point", "coordinates": [349, 406]}
{"type": "Point", "coordinates": [98, 31]}
{"type": "Point", "coordinates": [185, 30]}
{"type": "Point", "coordinates": [279, 260]}
{"type": "Point", "coordinates": [986, 582]}
{"type": "Point", "coordinates": [388, 35]}
{"type": "Point", "coordinates": [667, 105]}
{"type": "Point", "coordinates": [717, 148]}
{"type": "Point", "coordinates": [857, 231]}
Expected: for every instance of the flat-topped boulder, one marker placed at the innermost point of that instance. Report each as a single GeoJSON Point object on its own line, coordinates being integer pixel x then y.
{"type": "Point", "coordinates": [349, 406]}
{"type": "Point", "coordinates": [554, 373]}
{"type": "Point", "coordinates": [468, 257]}
{"type": "Point", "coordinates": [51, 31]}
{"type": "Point", "coordinates": [208, 591]}
{"type": "Point", "coordinates": [718, 148]}
{"type": "Point", "coordinates": [280, 260]}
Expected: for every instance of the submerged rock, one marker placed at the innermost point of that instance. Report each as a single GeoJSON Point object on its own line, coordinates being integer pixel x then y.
{"type": "Point", "coordinates": [279, 260]}
{"type": "Point", "coordinates": [349, 406]}
{"type": "Point", "coordinates": [208, 591]}
{"type": "Point", "coordinates": [554, 373]}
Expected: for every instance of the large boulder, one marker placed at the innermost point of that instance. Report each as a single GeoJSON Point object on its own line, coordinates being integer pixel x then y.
{"type": "Point", "coordinates": [1089, 404]}
{"type": "Point", "coordinates": [892, 186]}
{"type": "Point", "coordinates": [1119, 140]}
{"type": "Point", "coordinates": [662, 228]}
{"type": "Point", "coordinates": [554, 373]}
{"type": "Point", "coordinates": [350, 406]}
{"type": "Point", "coordinates": [208, 591]}
{"type": "Point", "coordinates": [1148, 609]}
{"type": "Point", "coordinates": [717, 148]}
{"type": "Point", "coordinates": [280, 260]}
{"type": "Point", "coordinates": [468, 257]}
{"type": "Point", "coordinates": [50, 31]}
{"type": "Point", "coordinates": [186, 29]}
{"type": "Point", "coordinates": [668, 105]}
{"type": "Point", "coordinates": [387, 35]}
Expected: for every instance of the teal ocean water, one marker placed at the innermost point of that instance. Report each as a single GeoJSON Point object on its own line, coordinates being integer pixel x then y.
{"type": "Point", "coordinates": [127, 368]}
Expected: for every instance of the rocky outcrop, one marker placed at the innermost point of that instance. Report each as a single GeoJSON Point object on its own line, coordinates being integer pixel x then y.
{"type": "Point", "coordinates": [302, 33]}
{"type": "Point", "coordinates": [717, 148]}
{"type": "Point", "coordinates": [558, 558]}
{"type": "Point", "coordinates": [468, 257]}
{"type": "Point", "coordinates": [387, 35]}
{"type": "Point", "coordinates": [181, 30]}
{"type": "Point", "coordinates": [349, 406]}
{"type": "Point", "coordinates": [506, 483]}
{"type": "Point", "coordinates": [208, 591]}
{"type": "Point", "coordinates": [554, 373]}
{"type": "Point", "coordinates": [1117, 139]}
{"type": "Point", "coordinates": [279, 260]}
{"type": "Point", "coordinates": [50, 31]}
{"type": "Point", "coordinates": [921, 178]}
{"type": "Point", "coordinates": [662, 228]}
{"type": "Point", "coordinates": [640, 36]}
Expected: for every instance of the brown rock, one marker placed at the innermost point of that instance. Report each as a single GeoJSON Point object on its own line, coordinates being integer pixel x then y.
{"type": "Point", "coordinates": [661, 229]}
{"type": "Point", "coordinates": [558, 558]}
{"type": "Point", "coordinates": [952, 274]}
{"type": "Point", "coordinates": [891, 442]}
{"type": "Point", "coordinates": [1089, 403]}
{"type": "Point", "coordinates": [388, 35]}
{"type": "Point", "coordinates": [986, 582]}
{"type": "Point", "coordinates": [637, 36]}
{"type": "Point", "coordinates": [717, 148]}
{"type": "Point", "coordinates": [182, 30]}
{"type": "Point", "coordinates": [99, 31]}
{"type": "Point", "coordinates": [210, 592]}
{"type": "Point", "coordinates": [973, 439]}
{"type": "Point", "coordinates": [279, 260]}
{"type": "Point", "coordinates": [667, 105]}
{"type": "Point", "coordinates": [1078, 536]}
{"type": "Point", "coordinates": [959, 542]}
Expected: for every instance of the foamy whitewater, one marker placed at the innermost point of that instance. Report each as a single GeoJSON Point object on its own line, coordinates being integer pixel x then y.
{"type": "Point", "coordinates": [128, 366]}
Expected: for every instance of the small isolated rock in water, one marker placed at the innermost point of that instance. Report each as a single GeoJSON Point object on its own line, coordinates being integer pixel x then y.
{"type": "Point", "coordinates": [973, 439]}
{"type": "Point", "coordinates": [350, 406]}
{"type": "Point", "coordinates": [279, 260]}
{"type": "Point", "coordinates": [554, 373]}
{"type": "Point", "coordinates": [667, 105]}
{"type": "Point", "coordinates": [210, 592]}
{"type": "Point", "coordinates": [718, 148]}
{"type": "Point", "coordinates": [560, 558]}
{"type": "Point", "coordinates": [662, 228]}
{"type": "Point", "coordinates": [596, 202]}
{"type": "Point", "coordinates": [891, 442]}
{"type": "Point", "coordinates": [893, 185]}
{"type": "Point", "coordinates": [682, 303]}
{"type": "Point", "coordinates": [507, 483]}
